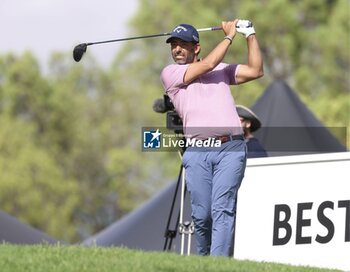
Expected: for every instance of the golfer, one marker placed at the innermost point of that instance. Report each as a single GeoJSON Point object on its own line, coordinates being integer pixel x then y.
{"type": "Point", "coordinates": [200, 92]}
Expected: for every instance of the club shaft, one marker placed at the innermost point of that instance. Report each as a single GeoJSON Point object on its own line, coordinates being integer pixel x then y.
{"type": "Point", "coordinates": [152, 36]}
{"type": "Point", "coordinates": [130, 38]}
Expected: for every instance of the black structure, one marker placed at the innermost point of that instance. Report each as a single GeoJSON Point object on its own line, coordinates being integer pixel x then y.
{"type": "Point", "coordinates": [144, 227]}
{"type": "Point", "coordinates": [172, 224]}
{"type": "Point", "coordinates": [15, 232]}
{"type": "Point", "coordinates": [289, 127]}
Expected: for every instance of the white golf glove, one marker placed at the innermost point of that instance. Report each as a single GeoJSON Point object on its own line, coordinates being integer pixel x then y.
{"type": "Point", "coordinates": [245, 27]}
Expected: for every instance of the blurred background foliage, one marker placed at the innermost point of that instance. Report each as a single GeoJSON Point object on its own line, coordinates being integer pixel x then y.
{"type": "Point", "coordinates": [70, 139]}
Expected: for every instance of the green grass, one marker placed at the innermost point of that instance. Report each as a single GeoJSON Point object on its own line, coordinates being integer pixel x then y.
{"type": "Point", "coordinates": [45, 258]}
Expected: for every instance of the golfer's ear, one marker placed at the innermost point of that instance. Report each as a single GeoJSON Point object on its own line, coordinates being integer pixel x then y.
{"type": "Point", "coordinates": [198, 49]}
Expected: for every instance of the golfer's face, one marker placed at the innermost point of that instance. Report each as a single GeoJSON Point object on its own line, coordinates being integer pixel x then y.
{"type": "Point", "coordinates": [183, 52]}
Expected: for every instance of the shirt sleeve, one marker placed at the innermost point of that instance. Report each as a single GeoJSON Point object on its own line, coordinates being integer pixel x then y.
{"type": "Point", "coordinates": [172, 77]}
{"type": "Point", "coordinates": [231, 71]}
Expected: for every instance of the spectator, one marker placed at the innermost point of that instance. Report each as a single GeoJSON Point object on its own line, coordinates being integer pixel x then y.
{"type": "Point", "coordinates": [250, 123]}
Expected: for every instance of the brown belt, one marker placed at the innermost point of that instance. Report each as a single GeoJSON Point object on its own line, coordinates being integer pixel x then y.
{"type": "Point", "coordinates": [227, 138]}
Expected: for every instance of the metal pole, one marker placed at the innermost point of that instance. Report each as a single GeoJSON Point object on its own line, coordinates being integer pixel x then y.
{"type": "Point", "coordinates": [181, 209]}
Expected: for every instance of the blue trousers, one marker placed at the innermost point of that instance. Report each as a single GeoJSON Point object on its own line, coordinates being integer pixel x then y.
{"type": "Point", "coordinates": [213, 177]}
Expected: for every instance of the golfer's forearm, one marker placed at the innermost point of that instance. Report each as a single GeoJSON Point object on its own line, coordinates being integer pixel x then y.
{"type": "Point", "coordinates": [255, 60]}
{"type": "Point", "coordinates": [207, 64]}
{"type": "Point", "coordinates": [217, 54]}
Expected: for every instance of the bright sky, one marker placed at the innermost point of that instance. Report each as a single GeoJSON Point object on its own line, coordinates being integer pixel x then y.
{"type": "Point", "coordinates": [43, 26]}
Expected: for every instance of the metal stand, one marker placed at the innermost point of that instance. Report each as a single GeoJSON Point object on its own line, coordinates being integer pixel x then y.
{"type": "Point", "coordinates": [185, 228]}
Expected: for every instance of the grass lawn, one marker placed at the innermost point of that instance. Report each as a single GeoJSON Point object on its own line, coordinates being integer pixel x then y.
{"type": "Point", "coordinates": [46, 258]}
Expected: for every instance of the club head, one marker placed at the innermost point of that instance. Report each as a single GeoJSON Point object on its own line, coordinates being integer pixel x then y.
{"type": "Point", "coordinates": [79, 51]}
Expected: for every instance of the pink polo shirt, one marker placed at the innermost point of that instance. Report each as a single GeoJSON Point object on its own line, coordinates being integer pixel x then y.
{"type": "Point", "coordinates": [206, 105]}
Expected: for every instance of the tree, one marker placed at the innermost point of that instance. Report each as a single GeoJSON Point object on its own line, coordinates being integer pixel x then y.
{"type": "Point", "coordinates": [32, 187]}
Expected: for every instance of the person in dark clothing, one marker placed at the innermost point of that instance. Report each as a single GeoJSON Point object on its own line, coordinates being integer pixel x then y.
{"type": "Point", "coordinates": [250, 123]}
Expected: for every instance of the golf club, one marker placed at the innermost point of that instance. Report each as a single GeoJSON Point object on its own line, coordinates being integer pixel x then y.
{"type": "Point", "coordinates": [80, 49]}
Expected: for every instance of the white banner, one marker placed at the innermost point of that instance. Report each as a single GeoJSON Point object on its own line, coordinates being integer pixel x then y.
{"type": "Point", "coordinates": [296, 210]}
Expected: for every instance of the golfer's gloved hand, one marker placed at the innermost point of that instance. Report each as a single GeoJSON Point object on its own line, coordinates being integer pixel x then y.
{"type": "Point", "coordinates": [245, 27]}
